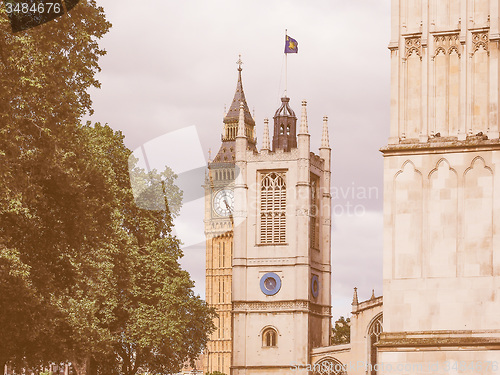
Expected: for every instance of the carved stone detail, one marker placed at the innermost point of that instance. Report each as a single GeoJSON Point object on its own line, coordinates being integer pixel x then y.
{"type": "Point", "coordinates": [447, 44]}
{"type": "Point", "coordinates": [413, 45]}
{"type": "Point", "coordinates": [480, 39]}
{"type": "Point", "coordinates": [282, 306]}
{"type": "Point", "coordinates": [279, 154]}
{"type": "Point", "coordinates": [271, 261]}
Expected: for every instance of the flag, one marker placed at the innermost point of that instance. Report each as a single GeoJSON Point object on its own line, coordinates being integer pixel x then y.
{"type": "Point", "coordinates": [291, 45]}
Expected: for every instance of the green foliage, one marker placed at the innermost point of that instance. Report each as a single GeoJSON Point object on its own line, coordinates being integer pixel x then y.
{"type": "Point", "coordinates": [46, 71]}
{"type": "Point", "coordinates": [102, 276]}
{"type": "Point", "coordinates": [85, 275]}
{"type": "Point", "coordinates": [341, 333]}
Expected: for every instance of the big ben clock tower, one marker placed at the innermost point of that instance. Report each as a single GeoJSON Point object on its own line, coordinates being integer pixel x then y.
{"type": "Point", "coordinates": [219, 206]}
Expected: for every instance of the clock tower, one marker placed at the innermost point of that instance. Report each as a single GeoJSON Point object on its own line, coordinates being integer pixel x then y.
{"type": "Point", "coordinates": [219, 207]}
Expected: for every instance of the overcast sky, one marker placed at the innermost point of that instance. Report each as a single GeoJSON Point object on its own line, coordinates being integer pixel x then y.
{"type": "Point", "coordinates": [171, 65]}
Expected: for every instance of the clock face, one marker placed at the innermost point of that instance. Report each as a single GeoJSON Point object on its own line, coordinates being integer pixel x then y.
{"type": "Point", "coordinates": [315, 286]}
{"type": "Point", "coordinates": [270, 284]}
{"type": "Point", "coordinates": [224, 202]}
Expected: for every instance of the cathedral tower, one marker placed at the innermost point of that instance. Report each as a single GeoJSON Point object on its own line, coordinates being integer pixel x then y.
{"type": "Point", "coordinates": [441, 208]}
{"type": "Point", "coordinates": [281, 260]}
{"type": "Point", "coordinates": [219, 205]}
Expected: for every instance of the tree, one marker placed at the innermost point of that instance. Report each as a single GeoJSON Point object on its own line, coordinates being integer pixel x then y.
{"type": "Point", "coordinates": [77, 276]}
{"type": "Point", "coordinates": [45, 73]}
{"type": "Point", "coordinates": [118, 274]}
{"type": "Point", "coordinates": [166, 323]}
{"type": "Point", "coordinates": [158, 321]}
{"type": "Point", "coordinates": [341, 333]}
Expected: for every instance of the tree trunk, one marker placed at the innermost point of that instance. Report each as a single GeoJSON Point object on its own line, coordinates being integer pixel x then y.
{"type": "Point", "coordinates": [80, 365]}
{"type": "Point", "coordinates": [92, 367]}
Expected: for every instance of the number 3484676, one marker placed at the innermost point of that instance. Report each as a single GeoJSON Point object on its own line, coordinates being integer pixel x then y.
{"type": "Point", "coordinates": [20, 7]}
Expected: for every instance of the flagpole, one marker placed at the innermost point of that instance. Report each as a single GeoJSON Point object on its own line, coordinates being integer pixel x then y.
{"type": "Point", "coordinates": [286, 65]}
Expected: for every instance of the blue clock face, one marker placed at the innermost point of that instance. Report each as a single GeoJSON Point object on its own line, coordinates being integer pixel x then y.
{"type": "Point", "coordinates": [315, 286]}
{"type": "Point", "coordinates": [270, 284]}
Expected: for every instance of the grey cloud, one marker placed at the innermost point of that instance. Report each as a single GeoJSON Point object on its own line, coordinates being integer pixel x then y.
{"type": "Point", "coordinates": [172, 64]}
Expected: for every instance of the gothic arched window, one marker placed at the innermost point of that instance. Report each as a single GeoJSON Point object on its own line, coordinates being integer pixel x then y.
{"type": "Point", "coordinates": [269, 338]}
{"type": "Point", "coordinates": [328, 366]}
{"type": "Point", "coordinates": [373, 336]}
{"type": "Point", "coordinates": [273, 208]}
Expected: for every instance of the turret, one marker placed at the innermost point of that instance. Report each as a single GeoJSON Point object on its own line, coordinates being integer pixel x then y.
{"type": "Point", "coordinates": [285, 127]}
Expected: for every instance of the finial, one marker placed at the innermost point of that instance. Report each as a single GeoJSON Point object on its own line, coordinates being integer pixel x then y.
{"type": "Point", "coordinates": [240, 63]}
{"type": "Point", "coordinates": [325, 138]}
{"type": "Point", "coordinates": [303, 120]}
{"type": "Point", "coordinates": [266, 144]}
{"type": "Point", "coordinates": [241, 121]}
{"type": "Point", "coordinates": [355, 297]}
{"type": "Point", "coordinates": [253, 112]}
{"type": "Point", "coordinates": [373, 294]}
{"type": "Point", "coordinates": [209, 155]}
{"type": "Point", "coordinates": [225, 110]}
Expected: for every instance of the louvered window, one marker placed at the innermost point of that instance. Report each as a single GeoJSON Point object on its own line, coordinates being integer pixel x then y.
{"type": "Point", "coordinates": [314, 213]}
{"type": "Point", "coordinates": [273, 208]}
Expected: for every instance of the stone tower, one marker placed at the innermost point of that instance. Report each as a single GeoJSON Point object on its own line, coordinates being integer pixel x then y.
{"type": "Point", "coordinates": [281, 258]}
{"type": "Point", "coordinates": [441, 208]}
{"type": "Point", "coordinates": [219, 206]}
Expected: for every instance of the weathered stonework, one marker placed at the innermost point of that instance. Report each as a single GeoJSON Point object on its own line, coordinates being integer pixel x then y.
{"type": "Point", "coordinates": [299, 317]}
{"type": "Point", "coordinates": [441, 204]}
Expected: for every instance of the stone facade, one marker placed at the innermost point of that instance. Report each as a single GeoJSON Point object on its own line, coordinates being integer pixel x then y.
{"type": "Point", "coordinates": [441, 210]}
{"type": "Point", "coordinates": [290, 245]}
{"type": "Point", "coordinates": [360, 355]}
{"type": "Point", "coordinates": [219, 185]}
{"type": "Point", "coordinates": [275, 275]}
{"type": "Point", "coordinates": [445, 64]}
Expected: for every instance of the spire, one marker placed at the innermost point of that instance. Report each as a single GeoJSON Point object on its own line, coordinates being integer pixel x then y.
{"type": "Point", "coordinates": [373, 294]}
{"type": "Point", "coordinates": [303, 120]}
{"type": "Point", "coordinates": [266, 145]}
{"type": "Point", "coordinates": [241, 122]}
{"type": "Point", "coordinates": [325, 138]}
{"type": "Point", "coordinates": [239, 97]}
{"type": "Point", "coordinates": [226, 152]}
{"type": "Point", "coordinates": [355, 297]}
